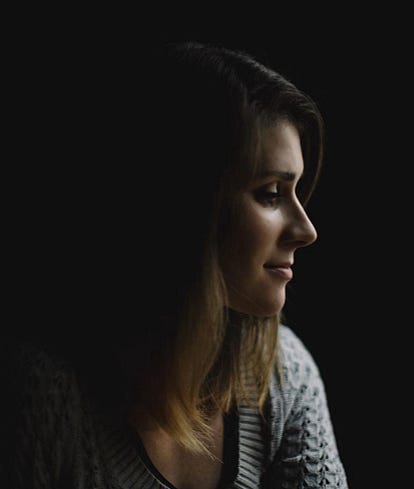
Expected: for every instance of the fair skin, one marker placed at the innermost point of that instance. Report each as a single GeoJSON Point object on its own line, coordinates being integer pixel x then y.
{"type": "Point", "coordinates": [257, 261]}
{"type": "Point", "coordinates": [257, 264]}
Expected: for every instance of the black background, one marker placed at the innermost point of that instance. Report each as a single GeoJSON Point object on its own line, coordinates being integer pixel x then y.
{"type": "Point", "coordinates": [345, 299]}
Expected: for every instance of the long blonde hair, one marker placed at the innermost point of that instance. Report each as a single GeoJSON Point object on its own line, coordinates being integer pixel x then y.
{"type": "Point", "coordinates": [216, 360]}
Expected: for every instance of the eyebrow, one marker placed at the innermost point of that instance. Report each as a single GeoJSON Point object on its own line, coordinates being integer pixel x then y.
{"type": "Point", "coordinates": [283, 175]}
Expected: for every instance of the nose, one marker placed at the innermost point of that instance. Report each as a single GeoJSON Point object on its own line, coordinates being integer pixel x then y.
{"type": "Point", "coordinates": [300, 230]}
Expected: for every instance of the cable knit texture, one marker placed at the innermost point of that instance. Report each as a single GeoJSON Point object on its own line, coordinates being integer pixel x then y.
{"type": "Point", "coordinates": [58, 438]}
{"type": "Point", "coordinates": [303, 446]}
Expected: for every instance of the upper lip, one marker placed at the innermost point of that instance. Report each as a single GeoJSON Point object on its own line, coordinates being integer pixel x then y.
{"type": "Point", "coordinates": [286, 264]}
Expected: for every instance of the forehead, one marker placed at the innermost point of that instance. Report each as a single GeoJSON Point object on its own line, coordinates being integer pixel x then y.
{"type": "Point", "coordinates": [280, 149]}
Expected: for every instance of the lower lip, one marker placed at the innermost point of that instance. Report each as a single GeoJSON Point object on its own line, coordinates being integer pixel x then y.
{"type": "Point", "coordinates": [285, 273]}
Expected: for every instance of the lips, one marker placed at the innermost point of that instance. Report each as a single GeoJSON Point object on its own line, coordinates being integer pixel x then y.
{"type": "Point", "coordinates": [282, 270]}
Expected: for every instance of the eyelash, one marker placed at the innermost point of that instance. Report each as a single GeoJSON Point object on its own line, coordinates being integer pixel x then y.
{"type": "Point", "coordinates": [270, 198]}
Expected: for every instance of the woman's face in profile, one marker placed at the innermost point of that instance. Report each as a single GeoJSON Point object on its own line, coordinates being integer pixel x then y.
{"type": "Point", "coordinates": [269, 226]}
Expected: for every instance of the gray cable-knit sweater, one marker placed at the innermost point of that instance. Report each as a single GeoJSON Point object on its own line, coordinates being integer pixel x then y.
{"type": "Point", "coordinates": [60, 439]}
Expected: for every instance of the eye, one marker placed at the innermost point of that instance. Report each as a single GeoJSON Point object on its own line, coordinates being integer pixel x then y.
{"type": "Point", "coordinates": [269, 195]}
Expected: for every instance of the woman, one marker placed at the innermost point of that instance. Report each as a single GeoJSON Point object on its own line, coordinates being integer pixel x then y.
{"type": "Point", "coordinates": [184, 376]}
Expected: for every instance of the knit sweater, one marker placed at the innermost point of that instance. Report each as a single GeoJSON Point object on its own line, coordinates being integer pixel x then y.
{"type": "Point", "coordinates": [58, 437]}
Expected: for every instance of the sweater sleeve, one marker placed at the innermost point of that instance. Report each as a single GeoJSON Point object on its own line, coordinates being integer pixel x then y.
{"type": "Point", "coordinates": [40, 428]}
{"type": "Point", "coordinates": [307, 455]}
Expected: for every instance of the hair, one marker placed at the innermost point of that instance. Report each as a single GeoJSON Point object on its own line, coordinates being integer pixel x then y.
{"type": "Point", "coordinates": [182, 137]}
{"type": "Point", "coordinates": [205, 109]}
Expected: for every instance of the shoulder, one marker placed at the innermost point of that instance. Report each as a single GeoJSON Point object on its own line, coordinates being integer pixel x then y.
{"type": "Point", "coordinates": [40, 412]}
{"type": "Point", "coordinates": [298, 364]}
{"type": "Point", "coordinates": [30, 359]}
{"type": "Point", "coordinates": [38, 379]}
{"type": "Point", "coordinates": [299, 383]}
{"type": "Point", "coordinates": [303, 445]}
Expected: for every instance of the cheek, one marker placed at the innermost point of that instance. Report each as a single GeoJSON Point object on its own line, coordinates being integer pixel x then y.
{"type": "Point", "coordinates": [261, 227]}
{"type": "Point", "coordinates": [253, 239]}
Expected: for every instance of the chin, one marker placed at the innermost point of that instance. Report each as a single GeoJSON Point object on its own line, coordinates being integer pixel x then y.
{"type": "Point", "coordinates": [272, 307]}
